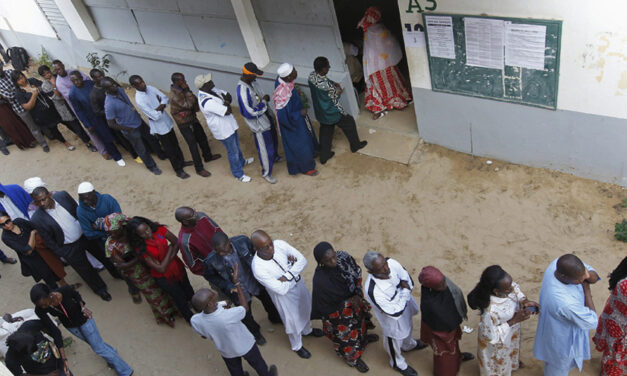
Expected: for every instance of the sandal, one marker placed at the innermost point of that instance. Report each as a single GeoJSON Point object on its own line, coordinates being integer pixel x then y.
{"type": "Point", "coordinates": [379, 115]}
{"type": "Point", "coordinates": [311, 173]}
{"type": "Point", "coordinates": [71, 148]}
{"type": "Point", "coordinates": [75, 286]}
{"type": "Point", "coordinates": [136, 298]}
{"type": "Point", "coordinates": [370, 338]}
{"type": "Point", "coordinates": [466, 356]}
{"type": "Point", "coordinates": [361, 366]}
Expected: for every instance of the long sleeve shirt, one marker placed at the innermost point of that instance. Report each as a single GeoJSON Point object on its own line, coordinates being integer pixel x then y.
{"type": "Point", "coordinates": [148, 101]}
{"type": "Point", "coordinates": [183, 105]}
{"type": "Point", "coordinates": [221, 125]}
{"type": "Point", "coordinates": [252, 107]}
{"type": "Point", "coordinates": [7, 91]}
{"type": "Point", "coordinates": [43, 360]}
{"type": "Point", "coordinates": [69, 311]}
{"type": "Point", "coordinates": [563, 323]}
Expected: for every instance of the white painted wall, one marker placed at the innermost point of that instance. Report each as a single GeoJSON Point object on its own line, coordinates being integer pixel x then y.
{"type": "Point", "coordinates": [24, 16]}
{"type": "Point", "coordinates": [593, 61]}
{"type": "Point", "coordinates": [79, 19]}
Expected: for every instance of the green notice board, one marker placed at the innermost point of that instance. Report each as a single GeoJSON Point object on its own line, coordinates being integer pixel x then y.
{"type": "Point", "coordinates": [531, 81]}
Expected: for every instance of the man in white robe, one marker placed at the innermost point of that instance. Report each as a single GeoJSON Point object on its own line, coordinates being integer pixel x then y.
{"type": "Point", "coordinates": [277, 266]}
{"type": "Point", "coordinates": [388, 289]}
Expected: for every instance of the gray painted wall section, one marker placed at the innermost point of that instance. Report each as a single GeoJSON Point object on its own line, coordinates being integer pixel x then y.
{"type": "Point", "coordinates": [585, 145]}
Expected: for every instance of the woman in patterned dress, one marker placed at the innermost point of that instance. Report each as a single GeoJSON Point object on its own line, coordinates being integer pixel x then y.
{"type": "Point", "coordinates": [611, 335]}
{"type": "Point", "coordinates": [503, 308]}
{"type": "Point", "coordinates": [337, 299]}
{"type": "Point", "coordinates": [128, 263]}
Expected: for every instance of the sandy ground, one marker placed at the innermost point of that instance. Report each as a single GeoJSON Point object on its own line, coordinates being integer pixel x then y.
{"type": "Point", "coordinates": [449, 210]}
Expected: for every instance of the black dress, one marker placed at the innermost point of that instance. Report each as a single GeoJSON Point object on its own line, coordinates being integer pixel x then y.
{"type": "Point", "coordinates": [32, 264]}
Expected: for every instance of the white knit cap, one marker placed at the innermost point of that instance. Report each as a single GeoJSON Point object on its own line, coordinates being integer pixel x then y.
{"type": "Point", "coordinates": [285, 69]}
{"type": "Point", "coordinates": [85, 187]}
{"type": "Point", "coordinates": [201, 79]}
{"type": "Point", "coordinates": [31, 183]}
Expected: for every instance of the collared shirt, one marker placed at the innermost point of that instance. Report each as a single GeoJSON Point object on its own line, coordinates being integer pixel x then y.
{"type": "Point", "coordinates": [7, 90]}
{"type": "Point", "coordinates": [563, 323]}
{"type": "Point", "coordinates": [247, 280]}
{"type": "Point", "coordinates": [119, 108]}
{"type": "Point", "coordinates": [226, 330]}
{"type": "Point", "coordinates": [222, 126]}
{"type": "Point", "coordinates": [160, 122]}
{"type": "Point", "coordinates": [69, 225]}
{"type": "Point", "coordinates": [12, 210]}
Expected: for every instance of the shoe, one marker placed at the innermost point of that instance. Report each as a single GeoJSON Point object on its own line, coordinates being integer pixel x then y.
{"type": "Point", "coordinates": [105, 296]}
{"type": "Point", "coordinates": [272, 371]}
{"type": "Point", "coordinates": [419, 346]}
{"type": "Point", "coordinates": [361, 366]}
{"type": "Point", "coordinates": [260, 340]}
{"type": "Point", "coordinates": [330, 156]}
{"type": "Point", "coordinates": [204, 173]}
{"type": "Point", "coordinates": [182, 174]}
{"type": "Point", "coordinates": [278, 159]}
{"type": "Point", "coordinates": [10, 260]}
{"type": "Point", "coordinates": [188, 163]}
{"type": "Point", "coordinates": [370, 338]}
{"type": "Point", "coordinates": [106, 156]}
{"type": "Point", "coordinates": [315, 332]}
{"type": "Point", "coordinates": [121, 162]}
{"type": "Point", "coordinates": [91, 148]}
{"type": "Point", "coordinates": [139, 160]}
{"type": "Point", "coordinates": [244, 179]}
{"type": "Point", "coordinates": [156, 170]}
{"type": "Point", "coordinates": [312, 173]}
{"type": "Point", "coordinates": [46, 148]}
{"type": "Point", "coordinates": [71, 148]}
{"type": "Point", "coordinates": [270, 179]}
{"type": "Point", "coordinates": [303, 353]}
{"type": "Point", "coordinates": [5, 151]}
{"type": "Point", "coordinates": [137, 298]}
{"type": "Point", "coordinates": [362, 144]}
{"type": "Point", "coordinates": [249, 161]}
{"type": "Point", "coordinates": [407, 371]}
{"type": "Point", "coordinates": [213, 157]}
{"type": "Point", "coordinates": [466, 356]}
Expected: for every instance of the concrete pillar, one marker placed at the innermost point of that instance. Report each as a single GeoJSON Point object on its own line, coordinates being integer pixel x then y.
{"type": "Point", "coordinates": [79, 19]}
{"type": "Point", "coordinates": [251, 32]}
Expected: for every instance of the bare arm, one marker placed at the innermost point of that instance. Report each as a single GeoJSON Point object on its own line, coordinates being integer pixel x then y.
{"type": "Point", "coordinates": [112, 124]}
{"type": "Point", "coordinates": [240, 292]}
{"type": "Point", "coordinates": [588, 295]}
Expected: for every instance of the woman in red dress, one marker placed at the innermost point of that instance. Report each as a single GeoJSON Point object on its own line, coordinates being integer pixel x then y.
{"type": "Point", "coordinates": [611, 335]}
{"type": "Point", "coordinates": [157, 247]}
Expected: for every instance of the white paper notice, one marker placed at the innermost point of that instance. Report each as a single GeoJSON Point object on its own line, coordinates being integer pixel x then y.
{"type": "Point", "coordinates": [414, 38]}
{"type": "Point", "coordinates": [525, 45]}
{"type": "Point", "coordinates": [484, 42]}
{"type": "Point", "coordinates": [440, 34]}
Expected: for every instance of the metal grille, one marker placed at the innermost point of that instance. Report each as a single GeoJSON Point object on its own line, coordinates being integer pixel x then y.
{"type": "Point", "coordinates": [53, 14]}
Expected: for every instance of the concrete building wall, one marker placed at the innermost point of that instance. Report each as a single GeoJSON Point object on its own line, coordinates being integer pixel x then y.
{"type": "Point", "coordinates": [585, 136]}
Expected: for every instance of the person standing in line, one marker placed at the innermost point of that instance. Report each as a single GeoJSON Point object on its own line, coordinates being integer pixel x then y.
{"type": "Point", "coordinates": [215, 105]}
{"type": "Point", "coordinates": [183, 107]}
{"type": "Point", "coordinates": [64, 84]}
{"type": "Point", "coordinates": [224, 327]}
{"type": "Point", "coordinates": [297, 133]}
{"type": "Point", "coordinates": [122, 115]}
{"type": "Point", "coordinates": [611, 334]}
{"type": "Point", "coordinates": [567, 316]}
{"type": "Point", "coordinates": [68, 306]}
{"type": "Point", "coordinates": [443, 310]}
{"type": "Point", "coordinates": [325, 95]}
{"type": "Point", "coordinates": [277, 266]}
{"type": "Point", "coordinates": [254, 108]}
{"type": "Point", "coordinates": [152, 103]}
{"type": "Point", "coordinates": [49, 88]}
{"type": "Point", "coordinates": [79, 97]}
{"type": "Point", "coordinates": [194, 238]}
{"type": "Point", "coordinates": [7, 93]}
{"type": "Point", "coordinates": [388, 290]}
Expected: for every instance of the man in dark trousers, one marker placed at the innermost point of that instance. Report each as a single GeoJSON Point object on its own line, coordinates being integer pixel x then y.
{"type": "Point", "coordinates": [219, 266]}
{"type": "Point", "coordinates": [57, 223]}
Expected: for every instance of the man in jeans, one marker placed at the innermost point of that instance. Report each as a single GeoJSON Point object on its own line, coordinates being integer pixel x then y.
{"type": "Point", "coordinates": [183, 107]}
{"type": "Point", "coordinates": [122, 115]}
{"type": "Point", "coordinates": [7, 92]}
{"type": "Point", "coordinates": [215, 105]}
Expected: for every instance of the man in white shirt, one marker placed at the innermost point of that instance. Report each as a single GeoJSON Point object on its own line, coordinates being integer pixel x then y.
{"type": "Point", "coordinates": [225, 328]}
{"type": "Point", "coordinates": [277, 266]}
{"type": "Point", "coordinates": [215, 105]}
{"type": "Point", "coordinates": [388, 289]}
{"type": "Point", "coordinates": [152, 103]}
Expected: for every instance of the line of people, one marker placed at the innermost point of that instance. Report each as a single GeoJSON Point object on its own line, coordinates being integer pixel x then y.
{"type": "Point", "coordinates": [146, 255]}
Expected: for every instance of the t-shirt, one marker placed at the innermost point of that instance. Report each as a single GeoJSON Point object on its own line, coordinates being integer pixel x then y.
{"type": "Point", "coordinates": [157, 248]}
{"type": "Point", "coordinates": [226, 330]}
{"type": "Point", "coordinates": [44, 113]}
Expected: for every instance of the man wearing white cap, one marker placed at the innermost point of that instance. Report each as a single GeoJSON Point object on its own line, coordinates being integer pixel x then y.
{"type": "Point", "coordinates": [297, 133]}
{"type": "Point", "coordinates": [215, 105]}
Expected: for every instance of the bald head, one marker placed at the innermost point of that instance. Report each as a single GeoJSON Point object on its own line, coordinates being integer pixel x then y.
{"type": "Point", "coordinates": [570, 266]}
{"type": "Point", "coordinates": [205, 299]}
{"type": "Point", "coordinates": [262, 242]}
{"type": "Point", "coordinates": [186, 216]}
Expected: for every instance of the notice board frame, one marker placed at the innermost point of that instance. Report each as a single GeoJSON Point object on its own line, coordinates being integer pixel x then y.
{"type": "Point", "coordinates": [538, 88]}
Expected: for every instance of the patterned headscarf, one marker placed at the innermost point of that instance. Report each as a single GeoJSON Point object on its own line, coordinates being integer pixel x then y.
{"type": "Point", "coordinates": [371, 17]}
{"type": "Point", "coordinates": [114, 222]}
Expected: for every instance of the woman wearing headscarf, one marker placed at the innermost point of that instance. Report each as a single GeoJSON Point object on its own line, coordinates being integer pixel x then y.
{"type": "Point", "coordinates": [385, 86]}
{"type": "Point", "coordinates": [503, 307]}
{"type": "Point", "coordinates": [337, 299]}
{"type": "Point", "coordinates": [123, 257]}
{"type": "Point", "coordinates": [611, 335]}
{"type": "Point", "coordinates": [158, 247]}
{"type": "Point", "coordinates": [443, 310]}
